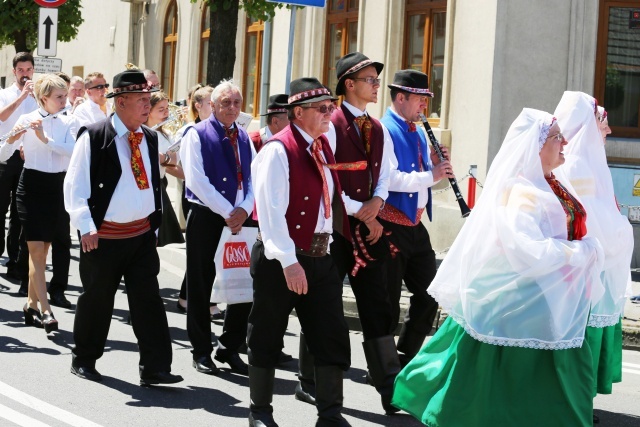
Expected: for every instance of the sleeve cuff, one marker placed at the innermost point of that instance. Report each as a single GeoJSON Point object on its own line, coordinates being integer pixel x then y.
{"type": "Point", "coordinates": [288, 259]}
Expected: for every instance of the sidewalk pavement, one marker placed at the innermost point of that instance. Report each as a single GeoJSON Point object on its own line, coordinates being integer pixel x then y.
{"type": "Point", "coordinates": [174, 257]}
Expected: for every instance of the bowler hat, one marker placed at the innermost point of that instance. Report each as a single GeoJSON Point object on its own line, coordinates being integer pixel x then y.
{"type": "Point", "coordinates": [411, 81]}
{"type": "Point", "coordinates": [349, 64]}
{"type": "Point", "coordinates": [307, 89]}
{"type": "Point", "coordinates": [130, 81]}
{"type": "Point", "coordinates": [277, 104]}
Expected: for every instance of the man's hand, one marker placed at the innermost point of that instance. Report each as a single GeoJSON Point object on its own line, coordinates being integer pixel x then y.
{"type": "Point", "coordinates": [434, 156]}
{"type": "Point", "coordinates": [369, 209]}
{"type": "Point", "coordinates": [443, 170]}
{"type": "Point", "coordinates": [79, 100]}
{"type": "Point", "coordinates": [89, 241]}
{"type": "Point", "coordinates": [296, 278]}
{"type": "Point", "coordinates": [375, 231]}
{"type": "Point", "coordinates": [27, 90]}
{"type": "Point", "coordinates": [236, 219]}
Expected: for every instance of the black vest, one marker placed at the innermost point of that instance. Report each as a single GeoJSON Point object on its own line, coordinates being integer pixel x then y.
{"type": "Point", "coordinates": [105, 170]}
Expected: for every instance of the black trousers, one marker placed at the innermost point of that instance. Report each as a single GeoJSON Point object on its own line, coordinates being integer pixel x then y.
{"type": "Point", "coordinates": [416, 265]}
{"type": "Point", "coordinates": [369, 288]}
{"type": "Point", "coordinates": [204, 229]}
{"type": "Point", "coordinates": [9, 177]}
{"type": "Point", "coordinates": [61, 254]}
{"type": "Point", "coordinates": [101, 270]}
{"type": "Point", "coordinates": [320, 311]}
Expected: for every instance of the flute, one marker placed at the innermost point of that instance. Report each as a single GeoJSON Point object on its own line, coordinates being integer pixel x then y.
{"type": "Point", "coordinates": [25, 126]}
{"type": "Point", "coordinates": [464, 209]}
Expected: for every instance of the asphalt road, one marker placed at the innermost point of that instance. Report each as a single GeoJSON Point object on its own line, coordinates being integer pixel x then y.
{"type": "Point", "coordinates": [36, 388]}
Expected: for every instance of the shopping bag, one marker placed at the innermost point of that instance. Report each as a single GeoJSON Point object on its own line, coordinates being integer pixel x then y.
{"type": "Point", "coordinates": [233, 283]}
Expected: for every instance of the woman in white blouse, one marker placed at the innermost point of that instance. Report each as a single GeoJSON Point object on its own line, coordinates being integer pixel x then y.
{"type": "Point", "coordinates": [47, 141]}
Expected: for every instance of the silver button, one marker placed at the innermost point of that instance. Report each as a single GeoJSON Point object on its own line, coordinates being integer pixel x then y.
{"type": "Point", "coordinates": [100, 185]}
{"type": "Point", "coordinates": [376, 164]}
{"type": "Point", "coordinates": [224, 179]}
{"type": "Point", "coordinates": [297, 227]}
{"type": "Point", "coordinates": [413, 165]}
{"type": "Point", "coordinates": [306, 197]}
{"type": "Point", "coordinates": [301, 213]}
{"type": "Point", "coordinates": [222, 191]}
{"type": "Point", "coordinates": [358, 190]}
{"type": "Point", "coordinates": [410, 195]}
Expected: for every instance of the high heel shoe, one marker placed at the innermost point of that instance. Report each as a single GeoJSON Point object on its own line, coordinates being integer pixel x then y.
{"type": "Point", "coordinates": [50, 323]}
{"type": "Point", "coordinates": [32, 317]}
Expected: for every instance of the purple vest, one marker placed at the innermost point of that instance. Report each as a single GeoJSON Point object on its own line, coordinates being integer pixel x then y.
{"type": "Point", "coordinates": [219, 160]}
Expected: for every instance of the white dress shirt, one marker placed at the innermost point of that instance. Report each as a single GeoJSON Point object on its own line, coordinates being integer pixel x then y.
{"type": "Point", "coordinates": [163, 145]}
{"type": "Point", "coordinates": [382, 187]}
{"type": "Point", "coordinates": [414, 181]}
{"type": "Point", "coordinates": [128, 202]}
{"type": "Point", "coordinates": [52, 156]}
{"type": "Point", "coordinates": [197, 181]}
{"type": "Point", "coordinates": [89, 112]}
{"type": "Point", "coordinates": [270, 176]}
{"type": "Point", "coordinates": [7, 96]}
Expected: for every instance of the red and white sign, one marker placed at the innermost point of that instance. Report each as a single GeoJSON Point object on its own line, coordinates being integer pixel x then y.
{"type": "Point", "coordinates": [236, 255]}
{"type": "Point", "coordinates": [50, 3]}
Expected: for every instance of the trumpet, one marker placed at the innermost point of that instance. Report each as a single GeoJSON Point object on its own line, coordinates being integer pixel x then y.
{"type": "Point", "coordinates": [25, 126]}
{"type": "Point", "coordinates": [464, 209]}
{"type": "Point", "coordinates": [174, 122]}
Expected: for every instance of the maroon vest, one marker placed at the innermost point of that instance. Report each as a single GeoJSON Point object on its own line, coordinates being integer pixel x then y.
{"type": "Point", "coordinates": [350, 148]}
{"type": "Point", "coordinates": [305, 189]}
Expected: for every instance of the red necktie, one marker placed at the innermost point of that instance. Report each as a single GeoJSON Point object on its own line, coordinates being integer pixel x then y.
{"type": "Point", "coordinates": [412, 126]}
{"type": "Point", "coordinates": [364, 123]}
{"type": "Point", "coordinates": [232, 134]}
{"type": "Point", "coordinates": [316, 150]}
{"type": "Point", "coordinates": [137, 165]}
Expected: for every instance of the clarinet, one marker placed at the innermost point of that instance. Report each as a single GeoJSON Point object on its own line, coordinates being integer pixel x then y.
{"type": "Point", "coordinates": [464, 209]}
{"type": "Point", "coordinates": [6, 136]}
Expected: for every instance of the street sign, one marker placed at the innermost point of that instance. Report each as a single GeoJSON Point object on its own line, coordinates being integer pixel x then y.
{"type": "Point", "coordinates": [47, 65]}
{"type": "Point", "coordinates": [314, 3]}
{"type": "Point", "coordinates": [50, 3]}
{"type": "Point", "coordinates": [47, 32]}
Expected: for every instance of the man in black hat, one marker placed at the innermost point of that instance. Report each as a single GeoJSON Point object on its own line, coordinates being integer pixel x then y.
{"type": "Point", "coordinates": [112, 194]}
{"type": "Point", "coordinates": [414, 170]}
{"type": "Point", "coordinates": [276, 120]}
{"type": "Point", "coordinates": [299, 206]}
{"type": "Point", "coordinates": [358, 138]}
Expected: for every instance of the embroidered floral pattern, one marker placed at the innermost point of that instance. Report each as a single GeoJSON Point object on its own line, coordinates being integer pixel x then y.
{"type": "Point", "coordinates": [137, 166]}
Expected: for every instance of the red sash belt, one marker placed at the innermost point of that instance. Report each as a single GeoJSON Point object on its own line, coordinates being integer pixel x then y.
{"type": "Point", "coordinates": [391, 214]}
{"type": "Point", "coordinates": [123, 230]}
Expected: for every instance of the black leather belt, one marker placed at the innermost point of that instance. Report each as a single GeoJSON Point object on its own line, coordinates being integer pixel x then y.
{"type": "Point", "coordinates": [318, 248]}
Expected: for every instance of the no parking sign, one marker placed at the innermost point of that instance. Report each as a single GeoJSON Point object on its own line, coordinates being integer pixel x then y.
{"type": "Point", "coordinates": [50, 3]}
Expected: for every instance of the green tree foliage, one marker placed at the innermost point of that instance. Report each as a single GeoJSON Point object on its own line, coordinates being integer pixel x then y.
{"type": "Point", "coordinates": [19, 23]}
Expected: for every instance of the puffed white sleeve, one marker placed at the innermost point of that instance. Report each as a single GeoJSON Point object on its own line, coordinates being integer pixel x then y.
{"type": "Point", "coordinates": [77, 186]}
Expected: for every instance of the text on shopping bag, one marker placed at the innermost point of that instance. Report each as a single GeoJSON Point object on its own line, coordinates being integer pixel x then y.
{"type": "Point", "coordinates": [236, 255]}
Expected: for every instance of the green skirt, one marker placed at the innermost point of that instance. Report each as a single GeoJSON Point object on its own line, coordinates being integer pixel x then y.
{"type": "Point", "coordinates": [457, 381]}
{"type": "Point", "coordinates": [606, 350]}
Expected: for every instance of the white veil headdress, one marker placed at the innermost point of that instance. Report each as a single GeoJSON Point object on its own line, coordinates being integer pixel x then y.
{"type": "Point", "coordinates": [586, 169]}
{"type": "Point", "coordinates": [511, 278]}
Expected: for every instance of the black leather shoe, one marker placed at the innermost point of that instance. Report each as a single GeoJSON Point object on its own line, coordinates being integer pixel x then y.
{"type": "Point", "coordinates": [86, 373]}
{"type": "Point", "coordinates": [49, 322]}
{"type": "Point", "coordinates": [232, 359]}
{"type": "Point", "coordinates": [159, 378]}
{"type": "Point", "coordinates": [59, 300]}
{"type": "Point", "coordinates": [205, 365]}
{"type": "Point", "coordinates": [32, 317]}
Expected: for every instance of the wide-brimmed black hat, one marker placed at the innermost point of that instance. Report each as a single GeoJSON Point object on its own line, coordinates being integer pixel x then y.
{"type": "Point", "coordinates": [307, 89]}
{"type": "Point", "coordinates": [411, 81]}
{"type": "Point", "coordinates": [349, 64]}
{"type": "Point", "coordinates": [277, 104]}
{"type": "Point", "coordinates": [130, 81]}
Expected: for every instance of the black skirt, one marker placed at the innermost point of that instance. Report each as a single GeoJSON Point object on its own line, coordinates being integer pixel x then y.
{"type": "Point", "coordinates": [170, 231]}
{"type": "Point", "coordinates": [40, 204]}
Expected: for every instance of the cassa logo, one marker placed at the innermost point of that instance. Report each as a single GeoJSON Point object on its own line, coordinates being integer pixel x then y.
{"type": "Point", "coordinates": [236, 255]}
{"type": "Point", "coordinates": [50, 3]}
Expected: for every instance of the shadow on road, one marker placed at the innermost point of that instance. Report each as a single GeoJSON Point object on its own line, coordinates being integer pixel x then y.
{"type": "Point", "coordinates": [400, 420]}
{"type": "Point", "coordinates": [612, 419]}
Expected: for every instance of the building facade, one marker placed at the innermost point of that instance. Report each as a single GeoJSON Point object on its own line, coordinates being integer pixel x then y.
{"type": "Point", "coordinates": [486, 61]}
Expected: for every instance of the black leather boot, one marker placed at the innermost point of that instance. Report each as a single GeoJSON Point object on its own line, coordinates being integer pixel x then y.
{"type": "Point", "coordinates": [409, 344]}
{"type": "Point", "coordinates": [384, 365]}
{"type": "Point", "coordinates": [306, 387]}
{"type": "Point", "coordinates": [329, 397]}
{"type": "Point", "coordinates": [261, 394]}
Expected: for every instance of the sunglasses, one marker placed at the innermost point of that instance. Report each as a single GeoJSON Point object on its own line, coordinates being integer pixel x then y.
{"type": "Point", "coordinates": [323, 109]}
{"type": "Point", "coordinates": [100, 87]}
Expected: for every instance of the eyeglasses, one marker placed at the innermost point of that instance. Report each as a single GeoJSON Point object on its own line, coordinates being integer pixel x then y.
{"type": "Point", "coordinates": [226, 103]}
{"type": "Point", "coordinates": [100, 87]}
{"type": "Point", "coordinates": [323, 109]}
{"type": "Point", "coordinates": [558, 136]}
{"type": "Point", "coordinates": [370, 80]}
